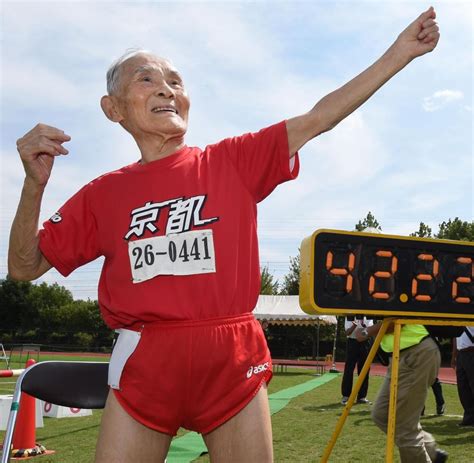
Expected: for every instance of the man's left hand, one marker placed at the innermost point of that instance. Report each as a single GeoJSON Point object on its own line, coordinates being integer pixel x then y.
{"type": "Point", "coordinates": [420, 37]}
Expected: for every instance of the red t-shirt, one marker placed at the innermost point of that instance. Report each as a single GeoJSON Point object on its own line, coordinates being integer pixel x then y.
{"type": "Point", "coordinates": [179, 235]}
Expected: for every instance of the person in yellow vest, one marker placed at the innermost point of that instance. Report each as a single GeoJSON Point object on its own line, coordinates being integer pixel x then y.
{"type": "Point", "coordinates": [420, 360]}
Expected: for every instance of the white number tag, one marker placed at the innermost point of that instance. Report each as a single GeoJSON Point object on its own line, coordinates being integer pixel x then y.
{"type": "Point", "coordinates": [188, 253]}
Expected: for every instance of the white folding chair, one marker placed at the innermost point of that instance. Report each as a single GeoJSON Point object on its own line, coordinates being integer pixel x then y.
{"type": "Point", "coordinates": [4, 356]}
{"type": "Point", "coordinates": [69, 384]}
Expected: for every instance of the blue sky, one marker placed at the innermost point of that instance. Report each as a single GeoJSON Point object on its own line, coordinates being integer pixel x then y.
{"type": "Point", "coordinates": [406, 155]}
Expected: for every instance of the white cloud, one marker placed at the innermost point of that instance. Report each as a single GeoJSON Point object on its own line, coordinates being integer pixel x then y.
{"type": "Point", "coordinates": [440, 99]}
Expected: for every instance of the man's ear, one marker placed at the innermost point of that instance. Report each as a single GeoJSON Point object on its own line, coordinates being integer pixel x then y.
{"type": "Point", "coordinates": [109, 106]}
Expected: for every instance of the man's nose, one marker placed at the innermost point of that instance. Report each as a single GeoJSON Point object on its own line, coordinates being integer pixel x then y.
{"type": "Point", "coordinates": [164, 90]}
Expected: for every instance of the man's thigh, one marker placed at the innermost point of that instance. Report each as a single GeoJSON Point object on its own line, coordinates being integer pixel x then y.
{"type": "Point", "coordinates": [124, 440]}
{"type": "Point", "coordinates": [247, 437]}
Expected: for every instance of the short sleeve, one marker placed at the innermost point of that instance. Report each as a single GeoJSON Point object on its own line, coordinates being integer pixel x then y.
{"type": "Point", "coordinates": [69, 238]}
{"type": "Point", "coordinates": [262, 159]}
{"type": "Point", "coordinates": [347, 324]}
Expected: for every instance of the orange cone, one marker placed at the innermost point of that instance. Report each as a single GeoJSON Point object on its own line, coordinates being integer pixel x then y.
{"type": "Point", "coordinates": [25, 429]}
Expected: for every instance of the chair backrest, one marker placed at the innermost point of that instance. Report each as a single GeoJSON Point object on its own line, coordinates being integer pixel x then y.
{"type": "Point", "coordinates": [70, 384]}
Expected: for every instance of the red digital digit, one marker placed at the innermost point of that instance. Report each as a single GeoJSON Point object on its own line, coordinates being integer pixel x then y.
{"type": "Point", "coordinates": [383, 275]}
{"type": "Point", "coordinates": [341, 271]}
{"type": "Point", "coordinates": [466, 279]}
{"type": "Point", "coordinates": [424, 277]}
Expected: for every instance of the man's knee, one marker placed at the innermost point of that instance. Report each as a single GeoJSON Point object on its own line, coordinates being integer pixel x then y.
{"type": "Point", "coordinates": [123, 439]}
{"type": "Point", "coordinates": [245, 437]}
{"type": "Point", "coordinates": [379, 416]}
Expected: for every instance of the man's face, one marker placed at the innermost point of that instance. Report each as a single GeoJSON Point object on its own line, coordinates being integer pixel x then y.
{"type": "Point", "coordinates": [151, 97]}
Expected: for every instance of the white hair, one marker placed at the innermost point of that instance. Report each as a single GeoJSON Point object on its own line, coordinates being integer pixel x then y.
{"type": "Point", "coordinates": [113, 73]}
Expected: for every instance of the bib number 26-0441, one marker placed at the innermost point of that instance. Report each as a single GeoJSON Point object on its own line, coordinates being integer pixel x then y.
{"type": "Point", "coordinates": [188, 253]}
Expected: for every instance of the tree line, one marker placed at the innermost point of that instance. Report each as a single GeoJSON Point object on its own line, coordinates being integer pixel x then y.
{"type": "Point", "coordinates": [455, 229]}
{"type": "Point", "coordinates": [48, 314]}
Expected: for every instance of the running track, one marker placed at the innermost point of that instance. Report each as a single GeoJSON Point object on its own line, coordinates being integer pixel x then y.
{"type": "Point", "coordinates": [446, 374]}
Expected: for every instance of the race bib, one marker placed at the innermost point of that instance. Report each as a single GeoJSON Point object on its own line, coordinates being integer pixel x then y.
{"type": "Point", "coordinates": [188, 253]}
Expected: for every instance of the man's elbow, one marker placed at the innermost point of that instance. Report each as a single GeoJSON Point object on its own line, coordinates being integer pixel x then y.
{"type": "Point", "coordinates": [19, 275]}
{"type": "Point", "coordinates": [323, 122]}
{"type": "Point", "coordinates": [23, 272]}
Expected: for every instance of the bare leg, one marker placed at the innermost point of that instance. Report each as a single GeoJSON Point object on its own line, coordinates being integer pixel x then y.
{"type": "Point", "coordinates": [124, 440]}
{"type": "Point", "coordinates": [247, 437]}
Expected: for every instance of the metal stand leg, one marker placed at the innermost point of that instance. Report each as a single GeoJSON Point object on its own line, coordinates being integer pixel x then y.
{"type": "Point", "coordinates": [355, 391]}
{"type": "Point", "coordinates": [392, 408]}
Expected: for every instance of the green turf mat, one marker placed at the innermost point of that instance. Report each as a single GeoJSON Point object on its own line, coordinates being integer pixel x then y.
{"type": "Point", "coordinates": [280, 399]}
{"type": "Point", "coordinates": [190, 446]}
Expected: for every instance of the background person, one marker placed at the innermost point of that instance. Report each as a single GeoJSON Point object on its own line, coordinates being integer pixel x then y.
{"type": "Point", "coordinates": [420, 360]}
{"type": "Point", "coordinates": [356, 355]}
{"type": "Point", "coordinates": [179, 294]}
{"type": "Point", "coordinates": [439, 398]}
{"type": "Point", "coordinates": [463, 361]}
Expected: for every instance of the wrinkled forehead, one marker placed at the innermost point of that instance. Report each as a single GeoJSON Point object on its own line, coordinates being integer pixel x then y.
{"type": "Point", "coordinates": [147, 62]}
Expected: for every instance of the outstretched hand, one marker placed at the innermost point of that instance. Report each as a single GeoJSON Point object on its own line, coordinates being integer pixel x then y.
{"type": "Point", "coordinates": [420, 37]}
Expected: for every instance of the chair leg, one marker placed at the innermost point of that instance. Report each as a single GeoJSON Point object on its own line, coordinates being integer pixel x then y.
{"type": "Point", "coordinates": [7, 441]}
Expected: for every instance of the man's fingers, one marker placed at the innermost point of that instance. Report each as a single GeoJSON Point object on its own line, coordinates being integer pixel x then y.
{"type": "Point", "coordinates": [57, 134]}
{"type": "Point", "coordinates": [425, 32]}
{"type": "Point", "coordinates": [429, 13]}
{"type": "Point", "coordinates": [432, 37]}
{"type": "Point", "coordinates": [51, 132]}
{"type": "Point", "coordinates": [428, 23]}
{"type": "Point", "coordinates": [53, 147]}
{"type": "Point", "coordinates": [43, 146]}
{"type": "Point", "coordinates": [60, 149]}
{"type": "Point", "coordinates": [43, 138]}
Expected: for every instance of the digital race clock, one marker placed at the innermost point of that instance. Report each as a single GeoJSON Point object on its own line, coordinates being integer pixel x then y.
{"type": "Point", "coordinates": [387, 275]}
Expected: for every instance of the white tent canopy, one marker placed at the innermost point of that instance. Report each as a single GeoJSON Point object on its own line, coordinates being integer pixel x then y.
{"type": "Point", "coordinates": [287, 310]}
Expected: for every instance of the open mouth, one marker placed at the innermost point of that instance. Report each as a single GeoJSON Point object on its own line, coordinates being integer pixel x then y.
{"type": "Point", "coordinates": [164, 109]}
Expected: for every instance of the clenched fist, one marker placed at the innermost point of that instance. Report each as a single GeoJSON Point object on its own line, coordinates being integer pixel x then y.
{"type": "Point", "coordinates": [38, 149]}
{"type": "Point", "coordinates": [420, 37]}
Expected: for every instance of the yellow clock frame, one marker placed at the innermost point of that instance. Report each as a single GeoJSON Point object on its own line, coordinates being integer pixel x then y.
{"type": "Point", "coordinates": [307, 275]}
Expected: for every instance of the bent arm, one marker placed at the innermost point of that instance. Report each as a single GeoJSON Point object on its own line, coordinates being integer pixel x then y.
{"type": "Point", "coordinates": [25, 260]}
{"type": "Point", "coordinates": [37, 150]}
{"type": "Point", "coordinates": [350, 330]}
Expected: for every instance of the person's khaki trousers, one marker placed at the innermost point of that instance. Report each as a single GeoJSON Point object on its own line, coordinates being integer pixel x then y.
{"type": "Point", "coordinates": [418, 369]}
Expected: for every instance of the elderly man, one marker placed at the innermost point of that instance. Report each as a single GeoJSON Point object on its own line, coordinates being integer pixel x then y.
{"type": "Point", "coordinates": [181, 271]}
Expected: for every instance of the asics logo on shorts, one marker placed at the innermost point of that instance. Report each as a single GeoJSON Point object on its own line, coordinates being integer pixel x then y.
{"type": "Point", "coordinates": [257, 369]}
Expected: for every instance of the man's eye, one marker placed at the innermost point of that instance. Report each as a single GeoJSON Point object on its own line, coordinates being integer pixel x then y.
{"type": "Point", "coordinates": [176, 83]}
{"type": "Point", "coordinates": [146, 79]}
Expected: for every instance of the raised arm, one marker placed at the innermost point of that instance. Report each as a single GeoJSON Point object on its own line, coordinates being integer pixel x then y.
{"type": "Point", "coordinates": [37, 151]}
{"type": "Point", "coordinates": [419, 38]}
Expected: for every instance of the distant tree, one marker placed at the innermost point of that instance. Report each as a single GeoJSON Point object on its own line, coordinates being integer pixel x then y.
{"type": "Point", "coordinates": [423, 232]}
{"type": "Point", "coordinates": [48, 301]}
{"type": "Point", "coordinates": [369, 222]}
{"type": "Point", "coordinates": [15, 308]}
{"type": "Point", "coordinates": [456, 230]}
{"type": "Point", "coordinates": [45, 296]}
{"type": "Point", "coordinates": [49, 314]}
{"type": "Point", "coordinates": [291, 281]}
{"type": "Point", "coordinates": [267, 285]}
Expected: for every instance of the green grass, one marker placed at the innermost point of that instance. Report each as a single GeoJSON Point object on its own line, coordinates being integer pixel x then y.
{"type": "Point", "coordinates": [301, 430]}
